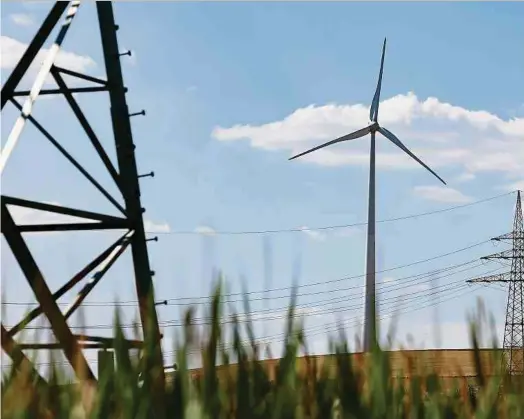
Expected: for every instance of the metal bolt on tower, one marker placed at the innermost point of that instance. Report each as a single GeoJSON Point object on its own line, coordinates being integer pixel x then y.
{"type": "Point", "coordinates": [513, 347]}
{"type": "Point", "coordinates": [124, 175]}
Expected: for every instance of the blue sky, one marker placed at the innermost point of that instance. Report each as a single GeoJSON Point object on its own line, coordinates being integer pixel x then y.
{"type": "Point", "coordinates": [231, 91]}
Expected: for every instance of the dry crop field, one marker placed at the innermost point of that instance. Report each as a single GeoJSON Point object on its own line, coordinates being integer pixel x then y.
{"type": "Point", "coordinates": [448, 364]}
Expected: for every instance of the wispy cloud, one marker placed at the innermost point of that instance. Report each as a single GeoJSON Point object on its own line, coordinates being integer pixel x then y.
{"type": "Point", "coordinates": [465, 177]}
{"type": "Point", "coordinates": [519, 185]}
{"type": "Point", "coordinates": [205, 230]}
{"type": "Point", "coordinates": [442, 194]}
{"type": "Point", "coordinates": [153, 227]}
{"type": "Point", "coordinates": [313, 234]}
{"type": "Point", "coordinates": [23, 215]}
{"type": "Point", "coordinates": [11, 50]}
{"type": "Point", "coordinates": [22, 19]}
{"type": "Point", "coordinates": [28, 216]}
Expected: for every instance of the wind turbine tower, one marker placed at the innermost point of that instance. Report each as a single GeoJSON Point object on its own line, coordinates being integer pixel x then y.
{"type": "Point", "coordinates": [370, 326]}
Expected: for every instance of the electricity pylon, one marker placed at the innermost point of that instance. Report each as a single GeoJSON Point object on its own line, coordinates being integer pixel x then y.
{"type": "Point", "coordinates": [513, 347]}
{"type": "Point", "coordinates": [124, 174]}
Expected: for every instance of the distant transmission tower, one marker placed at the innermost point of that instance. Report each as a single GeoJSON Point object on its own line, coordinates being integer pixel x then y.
{"type": "Point", "coordinates": [514, 327]}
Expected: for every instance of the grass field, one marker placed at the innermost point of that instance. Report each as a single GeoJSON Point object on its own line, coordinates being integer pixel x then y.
{"type": "Point", "coordinates": [381, 384]}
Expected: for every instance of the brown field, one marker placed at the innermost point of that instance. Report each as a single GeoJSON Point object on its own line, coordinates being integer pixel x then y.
{"type": "Point", "coordinates": [449, 364]}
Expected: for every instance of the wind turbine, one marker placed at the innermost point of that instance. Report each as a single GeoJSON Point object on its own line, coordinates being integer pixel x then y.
{"type": "Point", "coordinates": [370, 327]}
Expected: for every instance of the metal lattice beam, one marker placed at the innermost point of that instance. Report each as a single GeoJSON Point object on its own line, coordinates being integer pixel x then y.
{"type": "Point", "coordinates": [32, 50]}
{"type": "Point", "coordinates": [124, 175]}
{"type": "Point", "coordinates": [39, 286]}
{"type": "Point", "coordinates": [130, 187]}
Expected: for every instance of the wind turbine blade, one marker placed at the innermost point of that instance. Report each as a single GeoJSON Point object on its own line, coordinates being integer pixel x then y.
{"type": "Point", "coordinates": [373, 111]}
{"type": "Point", "coordinates": [352, 136]}
{"type": "Point", "coordinates": [391, 137]}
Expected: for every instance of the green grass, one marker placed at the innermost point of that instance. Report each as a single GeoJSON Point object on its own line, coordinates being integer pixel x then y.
{"type": "Point", "coordinates": [249, 391]}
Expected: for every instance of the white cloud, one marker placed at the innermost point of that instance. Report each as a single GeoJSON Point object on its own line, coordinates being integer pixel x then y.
{"type": "Point", "coordinates": [442, 194]}
{"type": "Point", "coordinates": [152, 227]}
{"type": "Point", "coordinates": [37, 4]}
{"type": "Point", "coordinates": [441, 134]}
{"type": "Point", "coordinates": [465, 177]}
{"type": "Point", "coordinates": [22, 215]}
{"type": "Point", "coordinates": [313, 234]}
{"type": "Point", "coordinates": [519, 185]}
{"type": "Point", "coordinates": [205, 230]}
{"type": "Point", "coordinates": [11, 50]}
{"type": "Point", "coordinates": [321, 235]}
{"type": "Point", "coordinates": [22, 19]}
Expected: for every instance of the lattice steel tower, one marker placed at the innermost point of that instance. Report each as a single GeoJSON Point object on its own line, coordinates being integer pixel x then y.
{"type": "Point", "coordinates": [514, 327]}
{"type": "Point", "coordinates": [124, 174]}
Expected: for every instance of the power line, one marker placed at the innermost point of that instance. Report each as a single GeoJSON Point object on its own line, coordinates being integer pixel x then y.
{"type": "Point", "coordinates": [206, 320]}
{"type": "Point", "coordinates": [381, 291]}
{"type": "Point", "coordinates": [412, 277]}
{"type": "Point", "coordinates": [324, 311]}
{"type": "Point", "coordinates": [331, 281]}
{"type": "Point", "coordinates": [331, 227]}
{"type": "Point", "coordinates": [393, 286]}
{"type": "Point", "coordinates": [241, 294]}
{"type": "Point", "coordinates": [174, 301]}
{"type": "Point", "coordinates": [334, 309]}
{"type": "Point", "coordinates": [321, 329]}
